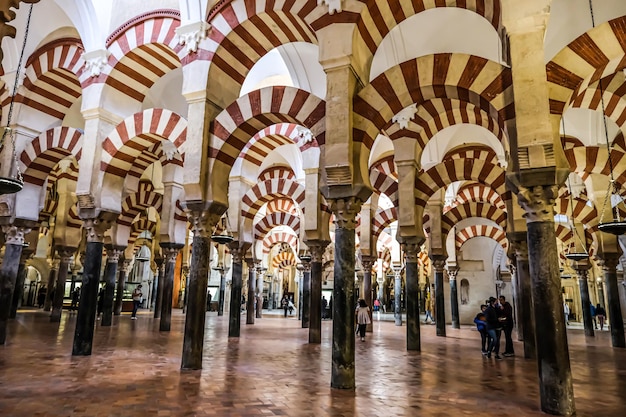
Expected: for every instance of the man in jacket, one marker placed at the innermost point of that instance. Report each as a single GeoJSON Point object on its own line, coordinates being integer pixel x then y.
{"type": "Point", "coordinates": [494, 328]}
{"type": "Point", "coordinates": [506, 311]}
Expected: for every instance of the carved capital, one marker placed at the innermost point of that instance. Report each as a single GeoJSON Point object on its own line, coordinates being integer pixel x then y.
{"type": "Point", "coordinates": [14, 235]}
{"type": "Point", "coordinates": [114, 253]}
{"type": "Point", "coordinates": [453, 271]}
{"type": "Point", "coordinates": [96, 61]}
{"type": "Point", "coordinates": [170, 251]}
{"type": "Point", "coordinates": [411, 251]}
{"type": "Point", "coordinates": [367, 262]}
{"type": "Point", "coordinates": [123, 267]}
{"type": "Point", "coordinates": [192, 34]}
{"type": "Point", "coordinates": [65, 253]}
{"type": "Point", "coordinates": [317, 248]}
{"type": "Point", "coordinates": [439, 262]}
{"type": "Point", "coordinates": [96, 227]}
{"type": "Point", "coordinates": [202, 222]}
{"type": "Point", "coordinates": [609, 261]}
{"type": "Point", "coordinates": [345, 211]}
{"type": "Point", "coordinates": [538, 202]}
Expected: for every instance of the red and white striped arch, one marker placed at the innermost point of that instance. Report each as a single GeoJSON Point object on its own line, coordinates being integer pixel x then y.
{"type": "Point", "coordinates": [285, 205]}
{"type": "Point", "coordinates": [481, 152]}
{"type": "Point", "coordinates": [479, 193]}
{"type": "Point", "coordinates": [277, 172]}
{"type": "Point", "coordinates": [284, 260]}
{"type": "Point", "coordinates": [468, 210]}
{"type": "Point", "coordinates": [585, 214]}
{"type": "Point", "coordinates": [382, 219]}
{"type": "Point", "coordinates": [593, 55]}
{"type": "Point", "coordinates": [46, 150]}
{"type": "Point", "coordinates": [614, 89]}
{"type": "Point", "coordinates": [243, 31]}
{"type": "Point", "coordinates": [593, 160]}
{"type": "Point", "coordinates": [570, 142]}
{"type": "Point", "coordinates": [265, 191]}
{"type": "Point", "coordinates": [139, 201]}
{"type": "Point", "coordinates": [564, 234]}
{"type": "Point", "coordinates": [250, 114]}
{"type": "Point", "coordinates": [619, 141]}
{"type": "Point", "coordinates": [272, 220]}
{"type": "Point", "coordinates": [467, 78]}
{"type": "Point", "coordinates": [52, 78]}
{"type": "Point", "coordinates": [271, 138]}
{"type": "Point", "coordinates": [384, 178]}
{"type": "Point", "coordinates": [275, 238]}
{"type": "Point", "coordinates": [143, 50]}
{"type": "Point", "coordinates": [452, 170]}
{"type": "Point", "coordinates": [481, 230]}
{"type": "Point", "coordinates": [384, 257]}
{"type": "Point", "coordinates": [136, 135]}
{"type": "Point", "coordinates": [139, 226]}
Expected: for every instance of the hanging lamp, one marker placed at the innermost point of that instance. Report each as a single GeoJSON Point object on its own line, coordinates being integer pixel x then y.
{"type": "Point", "coordinates": [11, 180]}
{"type": "Point", "coordinates": [225, 237]}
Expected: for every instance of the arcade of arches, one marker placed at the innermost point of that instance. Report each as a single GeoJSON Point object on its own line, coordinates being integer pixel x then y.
{"type": "Point", "coordinates": [352, 149]}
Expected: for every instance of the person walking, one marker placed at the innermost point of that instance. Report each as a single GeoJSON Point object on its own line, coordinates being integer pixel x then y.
{"type": "Point", "coordinates": [137, 298]}
{"type": "Point", "coordinates": [362, 318]}
{"type": "Point", "coordinates": [494, 328]}
{"type": "Point", "coordinates": [481, 325]}
{"type": "Point", "coordinates": [324, 307]}
{"type": "Point", "coordinates": [601, 315]}
{"type": "Point", "coordinates": [429, 309]}
{"type": "Point", "coordinates": [506, 311]}
{"type": "Point", "coordinates": [593, 316]}
{"type": "Point", "coordinates": [75, 298]}
{"type": "Point", "coordinates": [566, 312]}
{"type": "Point", "coordinates": [285, 304]}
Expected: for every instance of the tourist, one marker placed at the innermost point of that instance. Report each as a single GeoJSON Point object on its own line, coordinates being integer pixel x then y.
{"type": "Point", "coordinates": [429, 309]}
{"type": "Point", "coordinates": [494, 328]}
{"type": "Point", "coordinates": [566, 312]}
{"type": "Point", "coordinates": [285, 304]}
{"type": "Point", "coordinates": [593, 315]}
{"type": "Point", "coordinates": [41, 296]}
{"type": "Point", "coordinates": [481, 326]}
{"type": "Point", "coordinates": [324, 307]}
{"type": "Point", "coordinates": [362, 318]}
{"type": "Point", "coordinates": [137, 298]}
{"type": "Point", "coordinates": [376, 305]}
{"type": "Point", "coordinates": [601, 315]}
{"type": "Point", "coordinates": [75, 298]}
{"type": "Point", "coordinates": [506, 311]}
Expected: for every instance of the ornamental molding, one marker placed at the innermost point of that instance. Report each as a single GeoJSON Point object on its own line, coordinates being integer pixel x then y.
{"type": "Point", "coordinates": [96, 61]}
{"type": "Point", "coordinates": [333, 5]}
{"type": "Point", "coordinates": [192, 34]}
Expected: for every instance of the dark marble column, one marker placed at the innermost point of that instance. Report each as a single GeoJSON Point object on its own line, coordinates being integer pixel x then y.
{"type": "Point", "coordinates": [251, 291]}
{"type": "Point", "coordinates": [526, 304]}
{"type": "Point", "coordinates": [52, 277]}
{"type": "Point", "coordinates": [87, 308]}
{"type": "Point", "coordinates": [306, 293]}
{"type": "Point", "coordinates": [555, 377]}
{"type": "Point", "coordinates": [440, 313]}
{"type": "Point", "coordinates": [315, 322]}
{"type": "Point", "coordinates": [13, 245]}
{"type": "Point", "coordinates": [121, 283]}
{"type": "Point", "coordinates": [234, 321]}
{"type": "Point", "coordinates": [259, 291]}
{"type": "Point", "coordinates": [342, 374]}
{"type": "Point", "coordinates": [368, 262]}
{"type": "Point", "coordinates": [22, 271]}
{"type": "Point", "coordinates": [110, 273]}
{"type": "Point", "coordinates": [609, 264]}
{"type": "Point", "coordinates": [65, 255]}
{"type": "Point", "coordinates": [412, 296]}
{"type": "Point", "coordinates": [397, 296]}
{"type": "Point", "coordinates": [454, 297]}
{"type": "Point", "coordinates": [222, 293]}
{"type": "Point", "coordinates": [170, 253]}
{"type": "Point", "coordinates": [582, 269]}
{"type": "Point", "coordinates": [160, 277]}
{"type": "Point", "coordinates": [202, 223]}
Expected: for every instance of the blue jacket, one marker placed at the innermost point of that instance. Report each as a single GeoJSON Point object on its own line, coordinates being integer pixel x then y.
{"type": "Point", "coordinates": [593, 310]}
{"type": "Point", "coordinates": [480, 324]}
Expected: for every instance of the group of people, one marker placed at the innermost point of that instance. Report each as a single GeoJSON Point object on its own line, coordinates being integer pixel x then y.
{"type": "Point", "coordinates": [495, 316]}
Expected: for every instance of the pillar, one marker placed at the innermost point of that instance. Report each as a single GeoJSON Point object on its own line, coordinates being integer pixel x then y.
{"type": "Point", "coordinates": [454, 297]}
{"type": "Point", "coordinates": [317, 248]}
{"type": "Point", "coordinates": [65, 255]}
{"type": "Point", "coordinates": [234, 321]}
{"type": "Point", "coordinates": [259, 292]}
{"type": "Point", "coordinates": [397, 295]}
{"type": "Point", "coordinates": [170, 253]}
{"type": "Point", "coordinates": [555, 377]}
{"type": "Point", "coordinates": [18, 292]}
{"type": "Point", "coordinates": [110, 272]}
{"type": "Point", "coordinates": [86, 317]}
{"type": "Point", "coordinates": [159, 261]}
{"type": "Point", "coordinates": [202, 224]}
{"type": "Point", "coordinates": [342, 373]}
{"type": "Point", "coordinates": [222, 293]}
{"type": "Point", "coordinates": [517, 309]}
{"type": "Point", "coordinates": [440, 312]}
{"type": "Point", "coordinates": [412, 297]}
{"type": "Point", "coordinates": [13, 245]}
{"type": "Point", "coordinates": [368, 262]}
{"type": "Point", "coordinates": [121, 284]}
{"type": "Point", "coordinates": [306, 294]}
{"type": "Point", "coordinates": [614, 311]}
{"type": "Point", "coordinates": [527, 317]}
{"type": "Point", "coordinates": [582, 269]}
{"type": "Point", "coordinates": [251, 291]}
{"type": "Point", "coordinates": [52, 276]}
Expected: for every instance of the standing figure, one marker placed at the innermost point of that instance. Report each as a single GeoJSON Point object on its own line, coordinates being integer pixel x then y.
{"type": "Point", "coordinates": [324, 307]}
{"type": "Point", "coordinates": [566, 312]}
{"type": "Point", "coordinates": [593, 316]}
{"type": "Point", "coordinates": [429, 309]}
{"type": "Point", "coordinates": [41, 296]}
{"type": "Point", "coordinates": [506, 311]}
{"type": "Point", "coordinates": [481, 326]}
{"type": "Point", "coordinates": [494, 328]}
{"type": "Point", "coordinates": [75, 299]}
{"type": "Point", "coordinates": [601, 315]}
{"type": "Point", "coordinates": [363, 318]}
{"type": "Point", "coordinates": [285, 304]}
{"type": "Point", "coordinates": [137, 298]}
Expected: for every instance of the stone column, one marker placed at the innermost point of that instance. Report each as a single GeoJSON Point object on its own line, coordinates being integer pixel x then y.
{"type": "Point", "coordinates": [317, 248]}
{"type": "Point", "coordinates": [202, 223]}
{"type": "Point", "coordinates": [412, 296]}
{"type": "Point", "coordinates": [13, 245]}
{"type": "Point", "coordinates": [368, 262]}
{"type": "Point", "coordinates": [440, 313]}
{"type": "Point", "coordinates": [110, 272]}
{"type": "Point", "coordinates": [65, 254]}
{"type": "Point", "coordinates": [18, 292]}
{"type": "Point", "coordinates": [582, 269]}
{"type": "Point", "coordinates": [345, 211]}
{"type": "Point", "coordinates": [397, 295]}
{"type": "Point", "coordinates": [234, 322]}
{"type": "Point", "coordinates": [454, 297]}
{"type": "Point", "coordinates": [170, 253]}
{"type": "Point", "coordinates": [555, 377]}
{"type": "Point", "coordinates": [86, 317]}
{"type": "Point", "coordinates": [52, 277]}
{"type": "Point", "coordinates": [527, 317]}
{"type": "Point", "coordinates": [251, 291]}
{"type": "Point", "coordinates": [160, 264]}
{"type": "Point", "coordinates": [121, 283]}
{"type": "Point", "coordinates": [609, 264]}
{"type": "Point", "coordinates": [259, 291]}
{"type": "Point", "coordinates": [517, 310]}
{"type": "Point", "coordinates": [222, 294]}
{"type": "Point", "coordinates": [306, 293]}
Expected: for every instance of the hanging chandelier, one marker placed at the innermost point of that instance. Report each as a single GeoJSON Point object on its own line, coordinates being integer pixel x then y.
{"type": "Point", "coordinates": [225, 236]}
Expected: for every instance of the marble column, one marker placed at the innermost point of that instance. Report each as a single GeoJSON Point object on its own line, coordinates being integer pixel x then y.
{"type": "Point", "coordinates": [202, 223]}
{"type": "Point", "coordinates": [251, 291]}
{"type": "Point", "coordinates": [65, 255]}
{"type": "Point", "coordinates": [234, 321]}
{"type": "Point", "coordinates": [555, 376]}
{"type": "Point", "coordinates": [454, 297]}
{"type": "Point", "coordinates": [170, 253]}
{"type": "Point", "coordinates": [315, 321]}
{"type": "Point", "coordinates": [121, 284]}
{"type": "Point", "coordinates": [160, 264]}
{"type": "Point", "coordinates": [87, 308]}
{"type": "Point", "coordinates": [52, 277]}
{"type": "Point", "coordinates": [527, 317]}
{"type": "Point", "coordinates": [368, 262]}
{"type": "Point", "coordinates": [582, 271]}
{"type": "Point", "coordinates": [13, 245]}
{"type": "Point", "coordinates": [22, 271]}
{"type": "Point", "coordinates": [614, 311]}
{"type": "Point", "coordinates": [343, 353]}
{"type": "Point", "coordinates": [306, 293]}
{"type": "Point", "coordinates": [222, 293]}
{"type": "Point", "coordinates": [517, 309]}
{"type": "Point", "coordinates": [440, 313]}
{"type": "Point", "coordinates": [397, 296]}
{"type": "Point", "coordinates": [110, 273]}
{"type": "Point", "coordinates": [412, 296]}
{"type": "Point", "coordinates": [259, 292]}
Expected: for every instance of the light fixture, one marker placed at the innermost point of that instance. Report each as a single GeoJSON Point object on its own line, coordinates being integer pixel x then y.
{"type": "Point", "coordinates": [11, 180]}
{"type": "Point", "coordinates": [225, 237]}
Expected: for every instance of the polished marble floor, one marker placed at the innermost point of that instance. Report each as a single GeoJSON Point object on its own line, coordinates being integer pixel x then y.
{"type": "Point", "coordinates": [272, 370]}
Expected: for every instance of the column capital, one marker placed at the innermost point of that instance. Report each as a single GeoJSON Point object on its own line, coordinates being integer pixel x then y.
{"type": "Point", "coordinates": [95, 227]}
{"type": "Point", "coordinates": [14, 235]}
{"type": "Point", "coordinates": [317, 248]}
{"type": "Point", "coordinates": [453, 272]}
{"type": "Point", "coordinates": [439, 261]}
{"type": "Point", "coordinates": [237, 252]}
{"type": "Point", "coordinates": [202, 221]}
{"type": "Point", "coordinates": [123, 267]}
{"type": "Point", "coordinates": [411, 251]}
{"type": "Point", "coordinates": [65, 253]}
{"type": "Point", "coordinates": [521, 250]}
{"type": "Point", "coordinates": [368, 262]}
{"type": "Point", "coordinates": [538, 202]}
{"type": "Point", "coordinates": [345, 211]}
{"type": "Point", "coordinates": [609, 261]}
{"type": "Point", "coordinates": [251, 262]}
{"type": "Point", "coordinates": [114, 253]}
{"type": "Point", "coordinates": [170, 250]}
